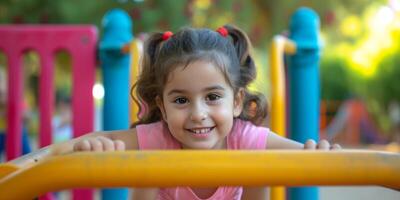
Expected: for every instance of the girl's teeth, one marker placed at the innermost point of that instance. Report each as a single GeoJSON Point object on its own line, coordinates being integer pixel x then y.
{"type": "Point", "coordinates": [199, 131]}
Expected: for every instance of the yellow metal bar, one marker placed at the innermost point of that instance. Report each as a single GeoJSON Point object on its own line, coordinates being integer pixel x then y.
{"type": "Point", "coordinates": [135, 70]}
{"type": "Point", "coordinates": [289, 46]}
{"type": "Point", "coordinates": [280, 45]}
{"type": "Point", "coordinates": [203, 168]}
{"type": "Point", "coordinates": [7, 168]}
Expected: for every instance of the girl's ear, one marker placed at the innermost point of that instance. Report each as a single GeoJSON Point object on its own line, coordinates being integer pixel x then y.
{"type": "Point", "coordinates": [238, 102]}
{"type": "Point", "coordinates": [160, 106]}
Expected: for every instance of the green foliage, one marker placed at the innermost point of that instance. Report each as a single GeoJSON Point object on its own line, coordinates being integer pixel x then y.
{"type": "Point", "coordinates": [261, 19]}
{"type": "Point", "coordinates": [384, 85]}
{"type": "Point", "coordinates": [334, 78]}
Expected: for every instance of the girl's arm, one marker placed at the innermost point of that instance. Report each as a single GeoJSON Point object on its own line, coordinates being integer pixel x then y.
{"type": "Point", "coordinates": [144, 193]}
{"type": "Point", "coordinates": [96, 141]}
{"type": "Point", "coordinates": [255, 193]}
{"type": "Point", "coordinates": [275, 141]}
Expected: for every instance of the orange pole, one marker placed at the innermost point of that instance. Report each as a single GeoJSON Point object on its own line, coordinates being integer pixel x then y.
{"type": "Point", "coordinates": [279, 46]}
{"type": "Point", "coordinates": [202, 169]}
{"type": "Point", "coordinates": [135, 70]}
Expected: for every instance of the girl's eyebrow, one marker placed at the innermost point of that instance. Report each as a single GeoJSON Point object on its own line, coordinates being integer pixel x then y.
{"type": "Point", "coordinates": [174, 91]}
{"type": "Point", "coordinates": [215, 87]}
{"type": "Point", "coordinates": [179, 91]}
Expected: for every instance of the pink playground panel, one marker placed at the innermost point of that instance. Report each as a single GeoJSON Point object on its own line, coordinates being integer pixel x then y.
{"type": "Point", "coordinates": [46, 40]}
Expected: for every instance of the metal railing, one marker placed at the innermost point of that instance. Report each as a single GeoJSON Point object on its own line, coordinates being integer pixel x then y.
{"type": "Point", "coordinates": [201, 169]}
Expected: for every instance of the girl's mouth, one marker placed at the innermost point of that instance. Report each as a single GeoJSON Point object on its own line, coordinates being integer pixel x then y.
{"type": "Point", "coordinates": [201, 132]}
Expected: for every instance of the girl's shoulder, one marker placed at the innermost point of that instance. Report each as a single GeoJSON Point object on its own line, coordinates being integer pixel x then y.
{"type": "Point", "coordinates": [144, 136]}
{"type": "Point", "coordinates": [154, 136]}
{"type": "Point", "coordinates": [150, 126]}
{"type": "Point", "coordinates": [244, 127]}
{"type": "Point", "coordinates": [246, 135]}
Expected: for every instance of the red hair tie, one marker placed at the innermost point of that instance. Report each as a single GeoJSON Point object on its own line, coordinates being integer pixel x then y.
{"type": "Point", "coordinates": [222, 30]}
{"type": "Point", "coordinates": [167, 35]}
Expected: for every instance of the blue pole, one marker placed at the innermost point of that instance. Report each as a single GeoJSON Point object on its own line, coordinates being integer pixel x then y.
{"type": "Point", "coordinates": [115, 67]}
{"type": "Point", "coordinates": [303, 75]}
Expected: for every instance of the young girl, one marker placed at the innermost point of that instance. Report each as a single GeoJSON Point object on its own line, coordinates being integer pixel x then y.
{"type": "Point", "coordinates": [194, 85]}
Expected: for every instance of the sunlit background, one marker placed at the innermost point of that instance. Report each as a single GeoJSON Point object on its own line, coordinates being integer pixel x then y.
{"type": "Point", "coordinates": [359, 65]}
{"type": "Point", "coordinates": [359, 71]}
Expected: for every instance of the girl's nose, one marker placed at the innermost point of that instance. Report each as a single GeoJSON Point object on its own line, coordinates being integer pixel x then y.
{"type": "Point", "coordinates": [198, 114]}
{"type": "Point", "coordinates": [198, 117]}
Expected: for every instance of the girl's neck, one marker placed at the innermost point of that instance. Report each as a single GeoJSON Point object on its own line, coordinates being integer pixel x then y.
{"type": "Point", "coordinates": [221, 145]}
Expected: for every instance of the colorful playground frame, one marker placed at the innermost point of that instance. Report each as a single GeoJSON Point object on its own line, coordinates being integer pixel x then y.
{"type": "Point", "coordinates": [169, 168]}
{"type": "Point", "coordinates": [80, 42]}
{"type": "Point", "coordinates": [203, 168]}
{"type": "Point", "coordinates": [279, 47]}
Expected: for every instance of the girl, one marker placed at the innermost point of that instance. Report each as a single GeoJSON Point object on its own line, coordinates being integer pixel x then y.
{"type": "Point", "coordinates": [194, 85]}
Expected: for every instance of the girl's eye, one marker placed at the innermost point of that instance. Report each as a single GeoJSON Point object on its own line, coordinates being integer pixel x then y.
{"type": "Point", "coordinates": [213, 97]}
{"type": "Point", "coordinates": [180, 100]}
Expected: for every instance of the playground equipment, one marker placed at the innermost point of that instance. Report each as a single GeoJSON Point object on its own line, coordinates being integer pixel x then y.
{"type": "Point", "coordinates": [80, 42]}
{"type": "Point", "coordinates": [280, 45]}
{"type": "Point", "coordinates": [353, 125]}
{"type": "Point", "coordinates": [161, 168]}
{"type": "Point", "coordinates": [115, 63]}
{"type": "Point", "coordinates": [303, 78]}
{"type": "Point", "coordinates": [202, 169]}
{"type": "Point", "coordinates": [302, 50]}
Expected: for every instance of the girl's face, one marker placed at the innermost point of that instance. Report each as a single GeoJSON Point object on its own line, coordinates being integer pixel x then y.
{"type": "Point", "coordinates": [199, 106]}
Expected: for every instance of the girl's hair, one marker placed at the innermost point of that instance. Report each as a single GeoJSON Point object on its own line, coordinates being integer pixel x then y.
{"type": "Point", "coordinates": [230, 54]}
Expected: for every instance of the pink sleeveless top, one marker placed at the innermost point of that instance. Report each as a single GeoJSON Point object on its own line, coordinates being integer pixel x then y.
{"type": "Point", "coordinates": [244, 135]}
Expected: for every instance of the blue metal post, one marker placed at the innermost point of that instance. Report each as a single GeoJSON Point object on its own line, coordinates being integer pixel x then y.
{"type": "Point", "coordinates": [115, 67]}
{"type": "Point", "coordinates": [303, 75]}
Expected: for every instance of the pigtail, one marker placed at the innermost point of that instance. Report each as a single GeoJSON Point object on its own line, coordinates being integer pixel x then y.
{"type": "Point", "coordinates": [254, 104]}
{"type": "Point", "coordinates": [146, 86]}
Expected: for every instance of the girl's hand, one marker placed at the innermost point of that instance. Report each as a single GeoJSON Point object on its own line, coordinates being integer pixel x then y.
{"type": "Point", "coordinates": [99, 144]}
{"type": "Point", "coordinates": [322, 145]}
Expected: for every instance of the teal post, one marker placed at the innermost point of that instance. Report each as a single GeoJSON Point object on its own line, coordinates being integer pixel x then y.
{"type": "Point", "coordinates": [117, 27]}
{"type": "Point", "coordinates": [303, 77]}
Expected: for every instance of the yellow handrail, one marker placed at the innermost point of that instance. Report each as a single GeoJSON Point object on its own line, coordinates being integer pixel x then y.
{"type": "Point", "coordinates": [279, 46]}
{"type": "Point", "coordinates": [135, 70]}
{"type": "Point", "coordinates": [203, 168]}
{"type": "Point", "coordinates": [7, 168]}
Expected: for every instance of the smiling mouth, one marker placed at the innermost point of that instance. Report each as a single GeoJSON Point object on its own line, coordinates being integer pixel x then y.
{"type": "Point", "coordinates": [201, 130]}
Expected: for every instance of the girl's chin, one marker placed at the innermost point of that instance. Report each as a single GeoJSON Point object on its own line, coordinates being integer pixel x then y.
{"type": "Point", "coordinates": [207, 146]}
{"type": "Point", "coordinates": [197, 147]}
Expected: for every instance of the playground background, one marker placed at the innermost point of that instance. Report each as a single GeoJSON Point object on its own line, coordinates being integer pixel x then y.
{"type": "Point", "coordinates": [358, 71]}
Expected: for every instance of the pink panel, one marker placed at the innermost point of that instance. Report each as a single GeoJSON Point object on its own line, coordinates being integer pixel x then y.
{"type": "Point", "coordinates": [46, 98]}
{"type": "Point", "coordinates": [80, 42]}
{"type": "Point", "coordinates": [14, 107]}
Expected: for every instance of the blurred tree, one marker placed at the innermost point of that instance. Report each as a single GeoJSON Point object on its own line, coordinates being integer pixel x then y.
{"type": "Point", "coordinates": [334, 79]}
{"type": "Point", "coordinates": [260, 18]}
{"type": "Point", "coordinates": [386, 88]}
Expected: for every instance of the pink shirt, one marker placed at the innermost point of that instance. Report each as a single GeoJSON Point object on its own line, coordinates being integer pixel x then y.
{"type": "Point", "coordinates": [244, 135]}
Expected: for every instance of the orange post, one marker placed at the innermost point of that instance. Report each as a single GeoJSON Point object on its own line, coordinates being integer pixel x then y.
{"type": "Point", "coordinates": [135, 51]}
{"type": "Point", "coordinates": [280, 45]}
{"type": "Point", "coordinates": [202, 169]}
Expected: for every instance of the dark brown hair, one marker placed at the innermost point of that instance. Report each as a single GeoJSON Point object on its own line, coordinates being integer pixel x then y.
{"type": "Point", "coordinates": [231, 54]}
